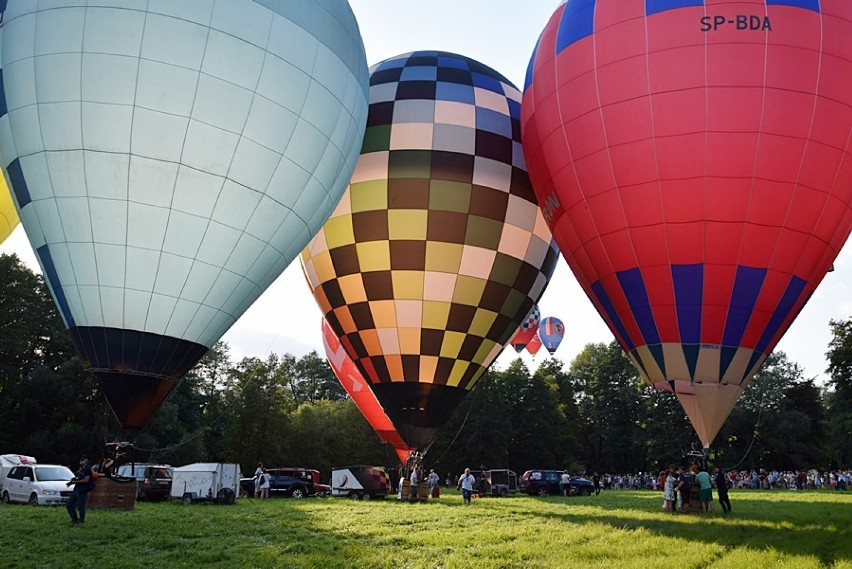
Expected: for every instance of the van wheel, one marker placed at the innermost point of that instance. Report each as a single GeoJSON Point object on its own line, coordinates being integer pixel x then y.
{"type": "Point", "coordinates": [33, 499]}
{"type": "Point", "coordinates": [297, 493]}
{"type": "Point", "coordinates": [187, 499]}
{"type": "Point", "coordinates": [6, 499]}
{"type": "Point", "coordinates": [542, 491]}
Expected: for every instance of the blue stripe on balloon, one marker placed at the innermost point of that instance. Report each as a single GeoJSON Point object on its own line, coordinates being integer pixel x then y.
{"type": "Point", "coordinates": [657, 6]}
{"type": "Point", "coordinates": [455, 92]}
{"type": "Point", "coordinates": [453, 62]}
{"type": "Point", "coordinates": [606, 303]}
{"type": "Point", "coordinates": [514, 109]}
{"type": "Point", "coordinates": [486, 82]}
{"type": "Point", "coordinates": [528, 79]}
{"type": "Point", "coordinates": [55, 284]}
{"type": "Point", "coordinates": [806, 4]}
{"type": "Point", "coordinates": [3, 108]}
{"type": "Point", "coordinates": [747, 286]}
{"type": "Point", "coordinates": [785, 307]}
{"type": "Point", "coordinates": [492, 121]}
{"type": "Point", "coordinates": [19, 184]}
{"type": "Point", "coordinates": [419, 73]}
{"type": "Point", "coordinates": [688, 283]}
{"type": "Point", "coordinates": [637, 297]}
{"type": "Point", "coordinates": [577, 22]}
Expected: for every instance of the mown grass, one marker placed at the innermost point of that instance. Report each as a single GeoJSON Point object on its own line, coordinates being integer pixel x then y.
{"type": "Point", "coordinates": [613, 530]}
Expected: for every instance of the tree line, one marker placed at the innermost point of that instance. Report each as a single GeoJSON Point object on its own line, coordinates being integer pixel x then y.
{"type": "Point", "coordinates": [593, 414]}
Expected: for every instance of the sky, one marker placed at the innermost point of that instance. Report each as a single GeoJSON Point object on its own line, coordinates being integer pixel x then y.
{"type": "Point", "coordinates": [500, 34]}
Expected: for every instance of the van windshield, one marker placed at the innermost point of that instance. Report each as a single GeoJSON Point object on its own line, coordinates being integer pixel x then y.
{"type": "Point", "coordinates": [53, 473]}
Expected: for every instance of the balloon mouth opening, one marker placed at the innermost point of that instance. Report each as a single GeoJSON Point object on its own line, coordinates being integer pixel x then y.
{"type": "Point", "coordinates": [134, 397]}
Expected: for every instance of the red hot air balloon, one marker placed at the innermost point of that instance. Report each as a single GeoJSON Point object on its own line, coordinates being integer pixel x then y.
{"type": "Point", "coordinates": [534, 345]}
{"type": "Point", "coordinates": [692, 161]}
{"type": "Point", "coordinates": [355, 385]}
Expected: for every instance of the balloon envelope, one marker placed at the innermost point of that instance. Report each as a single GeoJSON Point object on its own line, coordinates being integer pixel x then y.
{"type": "Point", "coordinates": [358, 389]}
{"type": "Point", "coordinates": [692, 159]}
{"type": "Point", "coordinates": [8, 214]}
{"type": "Point", "coordinates": [527, 330]}
{"type": "Point", "coordinates": [169, 160]}
{"type": "Point", "coordinates": [550, 332]}
{"type": "Point", "coordinates": [437, 250]}
{"type": "Point", "coordinates": [534, 344]}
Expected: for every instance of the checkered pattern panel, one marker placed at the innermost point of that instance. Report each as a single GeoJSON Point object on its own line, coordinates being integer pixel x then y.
{"type": "Point", "coordinates": [437, 251]}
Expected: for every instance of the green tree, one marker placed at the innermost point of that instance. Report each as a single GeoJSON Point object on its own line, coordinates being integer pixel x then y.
{"type": "Point", "coordinates": [611, 405]}
{"type": "Point", "coordinates": [839, 398]}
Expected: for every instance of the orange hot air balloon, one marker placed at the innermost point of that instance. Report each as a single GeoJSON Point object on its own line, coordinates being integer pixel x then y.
{"type": "Point", "coordinates": [358, 389]}
{"type": "Point", "coordinates": [692, 158]}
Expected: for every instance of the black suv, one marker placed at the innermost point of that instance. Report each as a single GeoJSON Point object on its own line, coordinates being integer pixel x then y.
{"type": "Point", "coordinates": [544, 482]}
{"type": "Point", "coordinates": [288, 482]}
{"type": "Point", "coordinates": [153, 481]}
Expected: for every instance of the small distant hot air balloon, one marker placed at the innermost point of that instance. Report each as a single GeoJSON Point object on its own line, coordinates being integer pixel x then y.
{"type": "Point", "coordinates": [534, 344]}
{"type": "Point", "coordinates": [550, 332]}
{"type": "Point", "coordinates": [528, 329]}
{"type": "Point", "coordinates": [358, 389]}
{"type": "Point", "coordinates": [169, 160]}
{"type": "Point", "coordinates": [437, 251]}
{"type": "Point", "coordinates": [693, 161]}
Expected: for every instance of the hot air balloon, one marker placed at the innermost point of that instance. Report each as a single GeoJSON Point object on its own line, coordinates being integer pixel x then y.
{"type": "Point", "coordinates": [692, 160]}
{"type": "Point", "coordinates": [8, 215]}
{"type": "Point", "coordinates": [534, 344]}
{"type": "Point", "coordinates": [528, 329]}
{"type": "Point", "coordinates": [355, 385]}
{"type": "Point", "coordinates": [550, 332]}
{"type": "Point", "coordinates": [169, 160]}
{"type": "Point", "coordinates": [437, 251]}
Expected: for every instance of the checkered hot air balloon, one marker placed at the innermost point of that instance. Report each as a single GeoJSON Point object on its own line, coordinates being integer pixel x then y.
{"type": "Point", "coordinates": [692, 158]}
{"type": "Point", "coordinates": [437, 251]}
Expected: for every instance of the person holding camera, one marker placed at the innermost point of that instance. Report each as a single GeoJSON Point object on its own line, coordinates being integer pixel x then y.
{"type": "Point", "coordinates": [83, 482]}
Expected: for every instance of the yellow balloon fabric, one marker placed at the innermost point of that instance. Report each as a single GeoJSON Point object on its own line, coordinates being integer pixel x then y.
{"type": "Point", "coordinates": [8, 214]}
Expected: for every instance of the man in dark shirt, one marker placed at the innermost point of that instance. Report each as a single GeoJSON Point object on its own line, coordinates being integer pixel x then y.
{"type": "Point", "coordinates": [83, 483]}
{"type": "Point", "coordinates": [722, 490]}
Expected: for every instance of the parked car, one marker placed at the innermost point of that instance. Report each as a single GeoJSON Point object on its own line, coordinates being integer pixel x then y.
{"type": "Point", "coordinates": [38, 484]}
{"type": "Point", "coordinates": [153, 481]}
{"type": "Point", "coordinates": [544, 482]}
{"type": "Point", "coordinates": [290, 482]}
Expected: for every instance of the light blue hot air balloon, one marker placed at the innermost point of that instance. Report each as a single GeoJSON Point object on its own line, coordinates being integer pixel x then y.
{"type": "Point", "coordinates": [551, 330]}
{"type": "Point", "coordinates": [169, 159]}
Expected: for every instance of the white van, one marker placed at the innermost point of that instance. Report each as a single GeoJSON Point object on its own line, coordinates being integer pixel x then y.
{"type": "Point", "coordinates": [38, 484]}
{"type": "Point", "coordinates": [10, 461]}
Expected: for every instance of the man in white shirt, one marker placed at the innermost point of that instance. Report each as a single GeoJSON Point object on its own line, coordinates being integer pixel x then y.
{"type": "Point", "coordinates": [466, 484]}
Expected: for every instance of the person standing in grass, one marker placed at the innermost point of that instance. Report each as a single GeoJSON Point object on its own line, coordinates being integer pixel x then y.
{"type": "Point", "coordinates": [466, 484]}
{"type": "Point", "coordinates": [83, 483]}
{"type": "Point", "coordinates": [722, 490]}
{"type": "Point", "coordinates": [705, 495]}
{"type": "Point", "coordinates": [668, 490]}
{"type": "Point", "coordinates": [265, 479]}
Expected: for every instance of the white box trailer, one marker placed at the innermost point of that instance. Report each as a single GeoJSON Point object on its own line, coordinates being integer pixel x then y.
{"type": "Point", "coordinates": [10, 461]}
{"type": "Point", "coordinates": [360, 482]}
{"type": "Point", "coordinates": [214, 481]}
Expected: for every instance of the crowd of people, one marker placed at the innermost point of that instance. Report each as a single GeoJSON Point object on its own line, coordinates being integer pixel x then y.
{"type": "Point", "coordinates": [744, 479]}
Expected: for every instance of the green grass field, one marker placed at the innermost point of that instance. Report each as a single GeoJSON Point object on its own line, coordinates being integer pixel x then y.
{"type": "Point", "coordinates": [613, 530]}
